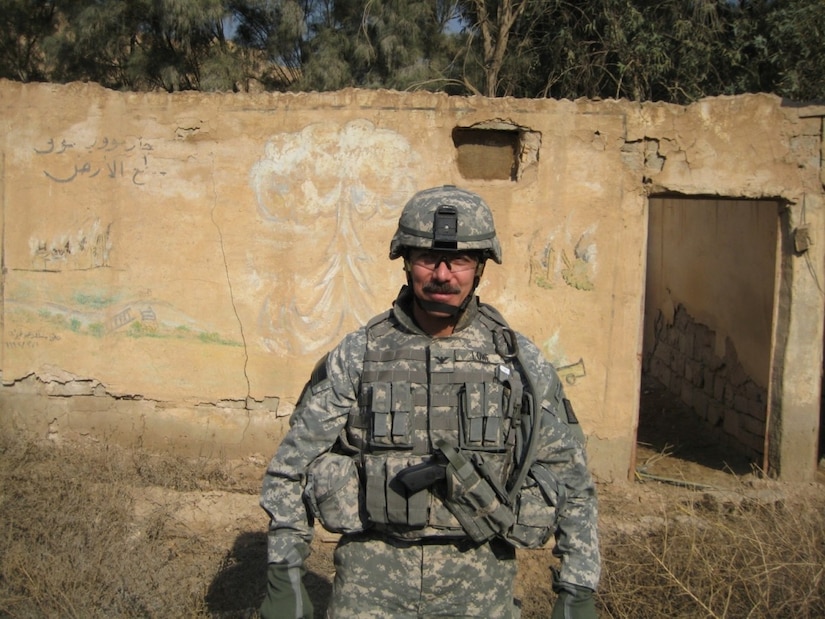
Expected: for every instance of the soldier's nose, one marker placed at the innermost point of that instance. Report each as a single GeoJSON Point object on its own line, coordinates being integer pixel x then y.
{"type": "Point", "coordinates": [442, 271]}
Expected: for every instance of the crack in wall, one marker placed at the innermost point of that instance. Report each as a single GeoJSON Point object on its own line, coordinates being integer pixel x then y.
{"type": "Point", "coordinates": [232, 299]}
{"type": "Point", "coordinates": [645, 157]}
{"type": "Point", "coordinates": [57, 406]}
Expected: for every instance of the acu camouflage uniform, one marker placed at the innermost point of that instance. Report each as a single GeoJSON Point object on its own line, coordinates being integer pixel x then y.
{"type": "Point", "coordinates": [376, 563]}
{"type": "Point", "coordinates": [480, 410]}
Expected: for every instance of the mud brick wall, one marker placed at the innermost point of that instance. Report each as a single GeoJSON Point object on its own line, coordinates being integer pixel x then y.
{"type": "Point", "coordinates": [731, 406]}
{"type": "Point", "coordinates": [174, 265]}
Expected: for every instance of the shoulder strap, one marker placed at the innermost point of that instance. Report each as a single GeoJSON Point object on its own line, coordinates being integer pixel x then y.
{"type": "Point", "coordinates": [376, 320]}
{"type": "Point", "coordinates": [493, 314]}
{"type": "Point", "coordinates": [504, 338]}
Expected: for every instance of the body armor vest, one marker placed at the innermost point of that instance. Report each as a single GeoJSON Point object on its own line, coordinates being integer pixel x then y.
{"type": "Point", "coordinates": [417, 392]}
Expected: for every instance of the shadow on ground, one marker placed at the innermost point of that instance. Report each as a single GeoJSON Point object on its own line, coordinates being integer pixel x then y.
{"type": "Point", "coordinates": [238, 588]}
{"type": "Point", "coordinates": [670, 428]}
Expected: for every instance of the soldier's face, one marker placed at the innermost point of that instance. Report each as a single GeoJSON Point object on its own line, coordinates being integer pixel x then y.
{"type": "Point", "coordinates": [442, 277]}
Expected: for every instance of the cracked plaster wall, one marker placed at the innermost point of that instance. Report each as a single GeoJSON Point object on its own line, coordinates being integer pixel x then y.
{"type": "Point", "coordinates": [174, 264]}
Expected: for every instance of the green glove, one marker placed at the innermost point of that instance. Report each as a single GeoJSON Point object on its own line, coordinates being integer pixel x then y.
{"type": "Point", "coordinates": [573, 602]}
{"type": "Point", "coordinates": [286, 597]}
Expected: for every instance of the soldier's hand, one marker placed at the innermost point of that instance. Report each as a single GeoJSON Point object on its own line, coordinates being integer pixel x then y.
{"type": "Point", "coordinates": [286, 597]}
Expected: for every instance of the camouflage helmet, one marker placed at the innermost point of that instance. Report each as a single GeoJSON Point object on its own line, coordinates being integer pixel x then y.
{"type": "Point", "coordinates": [446, 218]}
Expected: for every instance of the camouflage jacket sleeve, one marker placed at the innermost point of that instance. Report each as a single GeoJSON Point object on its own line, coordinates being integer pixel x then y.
{"type": "Point", "coordinates": [561, 450]}
{"type": "Point", "coordinates": [313, 428]}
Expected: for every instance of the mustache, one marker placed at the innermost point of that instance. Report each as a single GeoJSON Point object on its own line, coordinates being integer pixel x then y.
{"type": "Point", "coordinates": [436, 288]}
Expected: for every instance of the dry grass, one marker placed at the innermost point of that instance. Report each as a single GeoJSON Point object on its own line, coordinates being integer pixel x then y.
{"type": "Point", "coordinates": [711, 558]}
{"type": "Point", "coordinates": [72, 544]}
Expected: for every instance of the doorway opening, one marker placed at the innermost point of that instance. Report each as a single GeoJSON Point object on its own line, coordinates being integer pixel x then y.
{"type": "Point", "coordinates": [820, 454]}
{"type": "Point", "coordinates": [710, 296]}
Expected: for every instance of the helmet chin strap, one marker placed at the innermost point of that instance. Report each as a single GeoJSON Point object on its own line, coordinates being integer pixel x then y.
{"type": "Point", "coordinates": [445, 308]}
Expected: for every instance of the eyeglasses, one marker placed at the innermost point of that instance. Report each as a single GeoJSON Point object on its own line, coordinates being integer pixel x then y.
{"type": "Point", "coordinates": [455, 262]}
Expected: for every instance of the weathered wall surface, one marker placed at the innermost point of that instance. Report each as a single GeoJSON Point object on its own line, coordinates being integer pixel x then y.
{"type": "Point", "coordinates": [174, 265]}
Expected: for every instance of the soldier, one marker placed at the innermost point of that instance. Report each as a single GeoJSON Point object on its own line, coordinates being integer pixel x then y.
{"type": "Point", "coordinates": [436, 440]}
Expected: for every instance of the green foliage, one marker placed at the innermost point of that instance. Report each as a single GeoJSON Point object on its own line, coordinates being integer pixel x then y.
{"type": "Point", "coordinates": [798, 48]}
{"type": "Point", "coordinates": [24, 24]}
{"type": "Point", "coordinates": [215, 338]}
{"type": "Point", "coordinates": [660, 50]}
{"type": "Point", "coordinates": [95, 301]}
{"type": "Point", "coordinates": [138, 329]}
{"type": "Point", "coordinates": [379, 44]}
{"type": "Point", "coordinates": [269, 34]}
{"type": "Point", "coordinates": [640, 50]}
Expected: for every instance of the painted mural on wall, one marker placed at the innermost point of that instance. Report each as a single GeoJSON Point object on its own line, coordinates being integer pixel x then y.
{"type": "Point", "coordinates": [564, 257]}
{"type": "Point", "coordinates": [101, 305]}
{"type": "Point", "coordinates": [51, 319]}
{"type": "Point", "coordinates": [87, 247]}
{"type": "Point", "coordinates": [96, 221]}
{"type": "Point", "coordinates": [330, 197]}
{"type": "Point", "coordinates": [97, 288]}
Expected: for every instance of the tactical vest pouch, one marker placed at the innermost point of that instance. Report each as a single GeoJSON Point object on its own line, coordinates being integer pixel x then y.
{"type": "Point", "coordinates": [391, 409]}
{"type": "Point", "coordinates": [332, 493]}
{"type": "Point", "coordinates": [537, 508]}
{"type": "Point", "coordinates": [387, 499]}
{"type": "Point", "coordinates": [472, 500]}
{"type": "Point", "coordinates": [481, 415]}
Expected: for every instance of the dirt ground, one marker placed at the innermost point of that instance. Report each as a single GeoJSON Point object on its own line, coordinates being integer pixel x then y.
{"type": "Point", "coordinates": [675, 463]}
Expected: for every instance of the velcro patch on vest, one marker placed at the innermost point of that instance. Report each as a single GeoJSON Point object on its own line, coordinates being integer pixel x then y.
{"type": "Point", "coordinates": [568, 409]}
{"type": "Point", "coordinates": [442, 360]}
{"type": "Point", "coordinates": [318, 378]}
